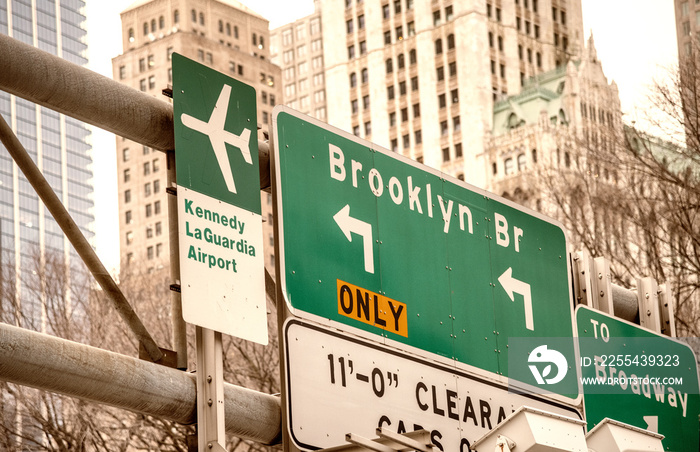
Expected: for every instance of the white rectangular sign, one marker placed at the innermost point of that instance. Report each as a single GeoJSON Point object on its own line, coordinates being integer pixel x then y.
{"type": "Point", "coordinates": [349, 385]}
{"type": "Point", "coordinates": [221, 254]}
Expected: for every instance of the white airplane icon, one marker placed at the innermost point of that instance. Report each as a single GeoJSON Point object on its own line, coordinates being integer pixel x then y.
{"type": "Point", "coordinates": [218, 137]}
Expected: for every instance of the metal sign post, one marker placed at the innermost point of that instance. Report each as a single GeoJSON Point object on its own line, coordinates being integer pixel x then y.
{"type": "Point", "coordinates": [210, 391]}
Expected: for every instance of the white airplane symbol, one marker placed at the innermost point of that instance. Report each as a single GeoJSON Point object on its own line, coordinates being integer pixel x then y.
{"type": "Point", "coordinates": [218, 137]}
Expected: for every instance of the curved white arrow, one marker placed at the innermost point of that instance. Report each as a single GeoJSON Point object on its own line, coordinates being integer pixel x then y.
{"type": "Point", "coordinates": [652, 423]}
{"type": "Point", "coordinates": [511, 285]}
{"type": "Point", "coordinates": [349, 225]}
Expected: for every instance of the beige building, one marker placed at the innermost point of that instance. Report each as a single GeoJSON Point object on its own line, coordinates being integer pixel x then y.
{"type": "Point", "coordinates": [222, 34]}
{"type": "Point", "coordinates": [687, 26]}
{"type": "Point", "coordinates": [298, 48]}
{"type": "Point", "coordinates": [421, 77]}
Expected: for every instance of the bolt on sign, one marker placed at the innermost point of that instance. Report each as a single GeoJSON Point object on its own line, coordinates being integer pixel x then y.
{"type": "Point", "coordinates": [382, 247]}
{"type": "Point", "coordinates": [218, 193]}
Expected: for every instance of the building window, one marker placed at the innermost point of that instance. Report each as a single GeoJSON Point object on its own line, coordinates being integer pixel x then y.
{"type": "Point", "coordinates": [389, 63]}
{"type": "Point", "coordinates": [353, 106]}
{"type": "Point", "coordinates": [404, 114]}
{"type": "Point", "coordinates": [416, 110]}
{"type": "Point", "coordinates": [394, 145]}
{"type": "Point", "coordinates": [440, 73]}
{"type": "Point", "coordinates": [392, 119]}
{"type": "Point", "coordinates": [161, 22]}
{"type": "Point", "coordinates": [387, 37]}
{"type": "Point", "coordinates": [449, 14]}
{"type": "Point", "coordinates": [127, 196]}
{"type": "Point", "coordinates": [458, 151]}
{"type": "Point", "coordinates": [365, 102]}
{"type": "Point", "coordinates": [122, 72]}
{"type": "Point", "coordinates": [146, 168]}
{"type": "Point", "coordinates": [438, 46]}
{"type": "Point", "coordinates": [454, 94]}
{"type": "Point", "coordinates": [127, 175]}
{"type": "Point", "coordinates": [412, 57]}
{"type": "Point", "coordinates": [353, 80]}
{"type": "Point", "coordinates": [522, 162]}
{"type": "Point", "coordinates": [414, 83]}
{"type": "Point", "coordinates": [131, 35]}
{"type": "Point", "coordinates": [399, 33]}
{"type": "Point", "coordinates": [349, 27]}
{"type": "Point", "coordinates": [156, 207]}
{"type": "Point", "coordinates": [402, 88]}
{"type": "Point", "coordinates": [194, 16]}
{"type": "Point", "coordinates": [385, 11]}
{"type": "Point", "coordinates": [149, 253]}
{"type": "Point", "coordinates": [159, 228]}
{"type": "Point", "coordinates": [453, 69]}
{"type": "Point", "coordinates": [129, 237]}
{"type": "Point", "coordinates": [351, 52]}
{"type": "Point", "coordinates": [361, 22]}
{"type": "Point", "coordinates": [365, 76]}
{"type": "Point", "coordinates": [147, 189]}
{"type": "Point", "coordinates": [418, 137]}
{"type": "Point", "coordinates": [443, 128]}
{"type": "Point", "coordinates": [406, 141]}
{"type": "Point", "coordinates": [142, 84]}
{"type": "Point", "coordinates": [127, 217]}
{"type": "Point", "coordinates": [156, 186]}
{"type": "Point", "coordinates": [363, 47]}
{"type": "Point", "coordinates": [149, 210]}
{"type": "Point", "coordinates": [442, 102]}
{"type": "Point", "coordinates": [390, 92]}
{"type": "Point", "coordinates": [142, 64]}
{"type": "Point", "coordinates": [151, 82]}
{"type": "Point", "coordinates": [401, 61]}
{"type": "Point", "coordinates": [450, 41]}
{"type": "Point", "coordinates": [508, 166]}
{"type": "Point", "coordinates": [201, 18]}
{"type": "Point", "coordinates": [368, 128]}
{"type": "Point", "coordinates": [436, 18]}
{"type": "Point", "coordinates": [176, 16]}
{"type": "Point", "coordinates": [145, 28]}
{"type": "Point", "coordinates": [445, 154]}
{"type": "Point", "coordinates": [456, 124]}
{"type": "Point", "coordinates": [356, 130]}
{"type": "Point", "coordinates": [149, 232]}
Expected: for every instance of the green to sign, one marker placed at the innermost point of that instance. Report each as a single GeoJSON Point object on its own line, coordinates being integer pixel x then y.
{"type": "Point", "coordinates": [219, 212]}
{"type": "Point", "coordinates": [638, 377]}
{"type": "Point", "coordinates": [383, 247]}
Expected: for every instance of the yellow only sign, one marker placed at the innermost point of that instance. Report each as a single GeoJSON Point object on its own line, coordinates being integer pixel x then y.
{"type": "Point", "coordinates": [372, 308]}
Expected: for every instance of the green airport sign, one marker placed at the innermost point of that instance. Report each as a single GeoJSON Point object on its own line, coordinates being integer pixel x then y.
{"type": "Point", "coordinates": [381, 246]}
{"type": "Point", "coordinates": [218, 193]}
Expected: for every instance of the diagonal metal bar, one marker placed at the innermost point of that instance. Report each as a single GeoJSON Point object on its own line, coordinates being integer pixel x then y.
{"type": "Point", "coordinates": [79, 242]}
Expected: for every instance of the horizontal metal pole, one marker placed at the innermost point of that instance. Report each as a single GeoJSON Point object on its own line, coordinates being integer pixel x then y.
{"type": "Point", "coordinates": [62, 86]}
{"type": "Point", "coordinates": [625, 303]}
{"type": "Point", "coordinates": [67, 88]}
{"type": "Point", "coordinates": [49, 363]}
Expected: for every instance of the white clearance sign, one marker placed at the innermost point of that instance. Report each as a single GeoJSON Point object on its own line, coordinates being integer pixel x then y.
{"type": "Point", "coordinates": [353, 386]}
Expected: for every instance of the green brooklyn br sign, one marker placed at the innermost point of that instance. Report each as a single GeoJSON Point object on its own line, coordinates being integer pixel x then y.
{"type": "Point", "coordinates": [383, 247]}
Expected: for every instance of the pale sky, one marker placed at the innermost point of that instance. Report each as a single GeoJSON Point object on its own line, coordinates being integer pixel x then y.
{"type": "Point", "coordinates": [635, 39]}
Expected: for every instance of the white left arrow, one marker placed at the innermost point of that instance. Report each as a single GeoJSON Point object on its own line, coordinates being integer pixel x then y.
{"type": "Point", "coordinates": [511, 285]}
{"type": "Point", "coordinates": [349, 225]}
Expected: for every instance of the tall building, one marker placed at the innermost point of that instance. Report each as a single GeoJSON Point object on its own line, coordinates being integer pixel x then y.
{"type": "Point", "coordinates": [687, 26]}
{"type": "Point", "coordinates": [222, 34]}
{"type": "Point", "coordinates": [421, 77]}
{"type": "Point", "coordinates": [298, 48]}
{"type": "Point", "coordinates": [60, 146]}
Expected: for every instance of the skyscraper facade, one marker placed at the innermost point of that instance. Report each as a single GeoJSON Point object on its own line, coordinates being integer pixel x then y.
{"type": "Point", "coordinates": [59, 145]}
{"type": "Point", "coordinates": [222, 34]}
{"type": "Point", "coordinates": [421, 77]}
